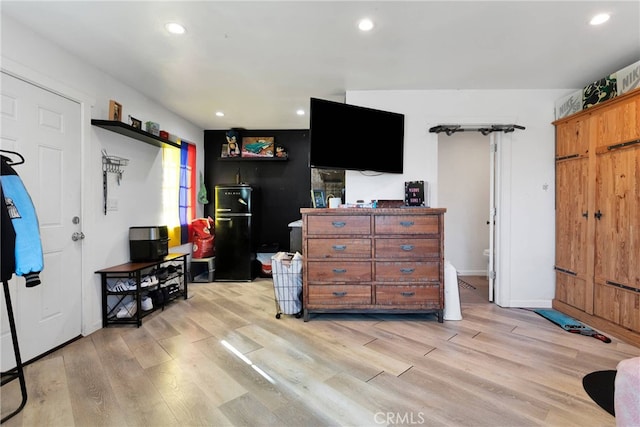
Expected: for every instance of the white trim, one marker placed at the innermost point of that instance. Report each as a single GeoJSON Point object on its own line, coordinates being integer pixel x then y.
{"type": "Point", "coordinates": [493, 212]}
{"type": "Point", "coordinates": [472, 272]}
{"type": "Point", "coordinates": [503, 163]}
{"type": "Point", "coordinates": [502, 260]}
{"type": "Point", "coordinates": [36, 78]}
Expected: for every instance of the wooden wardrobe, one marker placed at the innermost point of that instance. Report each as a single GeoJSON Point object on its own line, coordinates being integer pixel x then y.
{"type": "Point", "coordinates": [598, 216]}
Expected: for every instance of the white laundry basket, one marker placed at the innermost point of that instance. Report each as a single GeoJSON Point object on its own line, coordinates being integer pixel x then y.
{"type": "Point", "coordinates": [286, 269]}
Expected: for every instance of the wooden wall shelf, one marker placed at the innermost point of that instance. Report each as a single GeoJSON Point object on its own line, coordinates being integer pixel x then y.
{"type": "Point", "coordinates": [253, 159]}
{"type": "Point", "coordinates": [135, 133]}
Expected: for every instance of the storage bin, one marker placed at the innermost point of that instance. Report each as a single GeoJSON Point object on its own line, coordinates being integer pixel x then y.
{"type": "Point", "coordinates": [286, 268]}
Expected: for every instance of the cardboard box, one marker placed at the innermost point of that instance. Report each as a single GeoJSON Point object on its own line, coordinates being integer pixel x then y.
{"type": "Point", "coordinates": [628, 78]}
{"type": "Point", "coordinates": [569, 104]}
{"type": "Point", "coordinates": [153, 128]}
{"type": "Point", "coordinates": [599, 91]}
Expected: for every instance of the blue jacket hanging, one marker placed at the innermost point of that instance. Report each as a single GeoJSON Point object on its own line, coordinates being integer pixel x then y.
{"type": "Point", "coordinates": [27, 254]}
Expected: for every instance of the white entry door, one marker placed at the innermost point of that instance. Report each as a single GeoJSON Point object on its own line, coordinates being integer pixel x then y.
{"type": "Point", "coordinates": [45, 128]}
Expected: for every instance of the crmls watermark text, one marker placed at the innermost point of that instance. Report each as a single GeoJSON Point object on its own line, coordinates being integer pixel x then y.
{"type": "Point", "coordinates": [393, 418]}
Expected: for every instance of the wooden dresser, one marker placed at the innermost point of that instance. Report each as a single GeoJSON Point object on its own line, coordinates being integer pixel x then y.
{"type": "Point", "coordinates": [384, 260]}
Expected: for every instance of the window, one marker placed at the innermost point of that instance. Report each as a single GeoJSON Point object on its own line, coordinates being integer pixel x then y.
{"type": "Point", "coordinates": [179, 191]}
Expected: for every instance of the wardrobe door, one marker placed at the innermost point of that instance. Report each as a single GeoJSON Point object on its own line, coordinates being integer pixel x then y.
{"type": "Point", "coordinates": [572, 164]}
{"type": "Point", "coordinates": [617, 235]}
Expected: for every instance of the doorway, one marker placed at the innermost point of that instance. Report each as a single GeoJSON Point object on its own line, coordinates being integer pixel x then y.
{"type": "Point", "coordinates": [465, 173]}
{"type": "Point", "coordinates": [332, 182]}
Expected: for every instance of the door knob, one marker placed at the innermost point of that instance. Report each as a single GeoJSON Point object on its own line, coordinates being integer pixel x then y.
{"type": "Point", "coordinates": [77, 236]}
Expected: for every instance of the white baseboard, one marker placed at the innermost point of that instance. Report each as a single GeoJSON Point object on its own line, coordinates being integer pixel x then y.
{"type": "Point", "coordinates": [472, 272]}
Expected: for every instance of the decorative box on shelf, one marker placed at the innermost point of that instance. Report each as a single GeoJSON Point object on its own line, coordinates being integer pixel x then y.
{"type": "Point", "coordinates": [153, 128]}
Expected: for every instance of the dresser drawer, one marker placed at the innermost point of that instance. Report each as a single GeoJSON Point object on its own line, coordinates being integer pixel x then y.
{"type": "Point", "coordinates": [407, 224]}
{"type": "Point", "coordinates": [338, 248]}
{"type": "Point", "coordinates": [408, 295]}
{"type": "Point", "coordinates": [339, 294]}
{"type": "Point", "coordinates": [339, 271]}
{"type": "Point", "coordinates": [410, 271]}
{"type": "Point", "coordinates": [407, 248]}
{"type": "Point", "coordinates": [338, 224]}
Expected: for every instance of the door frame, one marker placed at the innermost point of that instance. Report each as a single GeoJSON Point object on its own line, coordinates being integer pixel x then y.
{"type": "Point", "coordinates": [500, 257]}
{"type": "Point", "coordinates": [493, 211]}
{"type": "Point", "coordinates": [502, 237]}
{"type": "Point", "coordinates": [88, 299]}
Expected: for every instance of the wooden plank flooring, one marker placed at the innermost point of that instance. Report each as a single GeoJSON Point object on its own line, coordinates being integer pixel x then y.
{"type": "Point", "coordinates": [221, 358]}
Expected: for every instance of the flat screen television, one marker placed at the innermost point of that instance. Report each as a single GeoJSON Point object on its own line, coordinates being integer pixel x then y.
{"type": "Point", "coordinates": [350, 137]}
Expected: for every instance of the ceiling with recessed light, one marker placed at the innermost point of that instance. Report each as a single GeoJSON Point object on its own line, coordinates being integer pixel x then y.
{"type": "Point", "coordinates": [260, 62]}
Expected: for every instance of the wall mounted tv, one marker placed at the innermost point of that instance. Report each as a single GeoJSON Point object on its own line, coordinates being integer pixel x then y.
{"type": "Point", "coordinates": [344, 136]}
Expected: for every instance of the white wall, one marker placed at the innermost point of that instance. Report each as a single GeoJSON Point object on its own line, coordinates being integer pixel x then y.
{"type": "Point", "coordinates": [526, 263]}
{"type": "Point", "coordinates": [526, 160]}
{"type": "Point", "coordinates": [139, 194]}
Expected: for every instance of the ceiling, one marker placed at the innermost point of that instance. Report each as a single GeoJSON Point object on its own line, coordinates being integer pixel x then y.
{"type": "Point", "coordinates": [261, 61]}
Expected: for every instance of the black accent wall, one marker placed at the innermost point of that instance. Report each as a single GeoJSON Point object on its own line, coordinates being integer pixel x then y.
{"type": "Point", "coordinates": [281, 188]}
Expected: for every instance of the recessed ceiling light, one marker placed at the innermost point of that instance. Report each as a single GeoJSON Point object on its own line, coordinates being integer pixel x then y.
{"type": "Point", "coordinates": [175, 28]}
{"type": "Point", "coordinates": [300, 112]}
{"type": "Point", "coordinates": [219, 114]}
{"type": "Point", "coordinates": [600, 19]}
{"type": "Point", "coordinates": [365, 24]}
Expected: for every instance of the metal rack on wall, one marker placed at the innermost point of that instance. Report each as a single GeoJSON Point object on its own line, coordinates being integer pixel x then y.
{"type": "Point", "coordinates": [111, 164]}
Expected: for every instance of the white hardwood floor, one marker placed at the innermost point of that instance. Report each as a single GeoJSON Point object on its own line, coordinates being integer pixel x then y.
{"type": "Point", "coordinates": [221, 358]}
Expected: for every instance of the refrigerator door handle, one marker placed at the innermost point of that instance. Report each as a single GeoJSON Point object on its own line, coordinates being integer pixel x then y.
{"type": "Point", "coordinates": [223, 219]}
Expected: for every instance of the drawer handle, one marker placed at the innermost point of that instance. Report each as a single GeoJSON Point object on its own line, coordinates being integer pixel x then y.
{"type": "Point", "coordinates": [340, 294]}
{"type": "Point", "coordinates": [339, 270]}
{"type": "Point", "coordinates": [338, 224]}
{"type": "Point", "coordinates": [407, 270]}
{"type": "Point", "coordinates": [407, 294]}
{"type": "Point", "coordinates": [339, 247]}
{"type": "Point", "coordinates": [406, 247]}
{"type": "Point", "coordinates": [406, 223]}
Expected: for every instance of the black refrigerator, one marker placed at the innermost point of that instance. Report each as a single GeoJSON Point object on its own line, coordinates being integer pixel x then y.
{"type": "Point", "coordinates": [233, 233]}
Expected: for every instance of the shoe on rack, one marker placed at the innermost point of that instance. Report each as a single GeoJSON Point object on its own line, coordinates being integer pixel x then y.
{"type": "Point", "coordinates": [122, 285]}
{"type": "Point", "coordinates": [149, 281]}
{"type": "Point", "coordinates": [146, 304]}
{"type": "Point", "coordinates": [172, 282]}
{"type": "Point", "coordinates": [162, 273]}
{"type": "Point", "coordinates": [127, 310]}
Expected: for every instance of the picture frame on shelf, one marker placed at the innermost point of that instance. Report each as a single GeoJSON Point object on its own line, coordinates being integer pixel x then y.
{"type": "Point", "coordinates": [115, 111]}
{"type": "Point", "coordinates": [318, 199]}
{"type": "Point", "coordinates": [414, 193]}
{"type": "Point", "coordinates": [135, 123]}
{"type": "Point", "coordinates": [257, 146]}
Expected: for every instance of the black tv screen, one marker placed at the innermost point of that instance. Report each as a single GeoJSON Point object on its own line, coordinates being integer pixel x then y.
{"type": "Point", "coordinates": [344, 136]}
